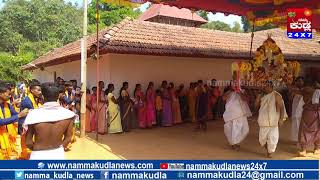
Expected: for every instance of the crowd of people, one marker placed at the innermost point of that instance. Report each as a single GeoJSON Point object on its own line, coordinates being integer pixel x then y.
{"type": "Point", "coordinates": [163, 106]}
{"type": "Point", "coordinates": [27, 107]}
{"type": "Point", "coordinates": [36, 120]}
{"type": "Point", "coordinates": [302, 101]}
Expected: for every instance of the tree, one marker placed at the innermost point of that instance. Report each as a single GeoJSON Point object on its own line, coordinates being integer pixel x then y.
{"type": "Point", "coordinates": [245, 24]}
{"type": "Point", "coordinates": [110, 14]}
{"type": "Point", "coordinates": [49, 22]}
{"type": "Point", "coordinates": [10, 67]}
{"type": "Point", "coordinates": [236, 27]}
{"type": "Point", "coordinates": [30, 28]}
{"type": "Point", "coordinates": [217, 25]}
{"type": "Point", "coordinates": [203, 14]}
{"type": "Point", "coordinates": [247, 27]}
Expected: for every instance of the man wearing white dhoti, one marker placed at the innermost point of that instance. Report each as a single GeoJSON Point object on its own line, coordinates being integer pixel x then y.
{"type": "Point", "coordinates": [50, 125]}
{"type": "Point", "coordinates": [236, 126]}
{"type": "Point", "coordinates": [272, 113]}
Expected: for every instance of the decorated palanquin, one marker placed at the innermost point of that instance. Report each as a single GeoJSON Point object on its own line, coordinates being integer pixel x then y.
{"type": "Point", "coordinates": [268, 64]}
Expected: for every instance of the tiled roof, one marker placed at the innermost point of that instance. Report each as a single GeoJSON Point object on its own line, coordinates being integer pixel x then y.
{"type": "Point", "coordinates": [170, 11]}
{"type": "Point", "coordinates": [142, 37]}
{"type": "Point", "coordinates": [67, 53]}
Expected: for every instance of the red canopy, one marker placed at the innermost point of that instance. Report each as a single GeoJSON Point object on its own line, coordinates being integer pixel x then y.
{"type": "Point", "coordinates": [252, 9]}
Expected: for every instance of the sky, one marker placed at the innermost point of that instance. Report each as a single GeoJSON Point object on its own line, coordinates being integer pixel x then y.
{"type": "Point", "coordinates": [212, 17]}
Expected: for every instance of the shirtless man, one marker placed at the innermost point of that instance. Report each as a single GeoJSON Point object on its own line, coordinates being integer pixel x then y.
{"type": "Point", "coordinates": [51, 125]}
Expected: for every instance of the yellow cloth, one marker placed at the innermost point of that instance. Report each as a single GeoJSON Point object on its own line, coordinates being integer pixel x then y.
{"type": "Point", "coordinates": [158, 103]}
{"type": "Point", "coordinates": [73, 139]}
{"type": "Point", "coordinates": [6, 139]}
{"type": "Point", "coordinates": [11, 128]}
{"type": "Point", "coordinates": [25, 151]}
{"type": "Point", "coordinates": [34, 104]}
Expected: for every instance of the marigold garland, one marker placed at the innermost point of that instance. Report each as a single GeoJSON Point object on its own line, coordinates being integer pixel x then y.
{"type": "Point", "coordinates": [268, 64]}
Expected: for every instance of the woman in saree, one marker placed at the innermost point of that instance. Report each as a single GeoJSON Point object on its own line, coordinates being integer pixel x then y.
{"type": "Point", "coordinates": [183, 100]}
{"type": "Point", "coordinates": [166, 103]}
{"type": "Point", "coordinates": [202, 106]}
{"type": "Point", "coordinates": [126, 108]}
{"type": "Point", "coordinates": [93, 106]}
{"type": "Point", "coordinates": [176, 114]}
{"type": "Point", "coordinates": [215, 96]}
{"type": "Point", "coordinates": [114, 125]}
{"type": "Point", "coordinates": [192, 97]}
{"type": "Point", "coordinates": [88, 111]}
{"type": "Point", "coordinates": [151, 109]}
{"type": "Point", "coordinates": [102, 110]}
{"type": "Point", "coordinates": [210, 102]}
{"type": "Point", "coordinates": [140, 105]}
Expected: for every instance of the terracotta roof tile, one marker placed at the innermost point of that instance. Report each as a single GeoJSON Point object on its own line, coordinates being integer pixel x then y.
{"type": "Point", "coordinates": [142, 37]}
{"type": "Point", "coordinates": [170, 11]}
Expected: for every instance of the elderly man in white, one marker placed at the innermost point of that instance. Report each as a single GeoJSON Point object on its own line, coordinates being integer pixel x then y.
{"type": "Point", "coordinates": [237, 111]}
{"type": "Point", "coordinates": [272, 113]}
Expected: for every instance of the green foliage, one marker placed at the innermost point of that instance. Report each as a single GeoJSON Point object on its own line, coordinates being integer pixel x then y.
{"type": "Point", "coordinates": [10, 66]}
{"type": "Point", "coordinates": [203, 14]}
{"type": "Point", "coordinates": [247, 27]}
{"type": "Point", "coordinates": [110, 14]}
{"type": "Point", "coordinates": [31, 28]}
{"type": "Point", "coordinates": [217, 25]}
{"type": "Point", "coordinates": [236, 27]}
{"type": "Point", "coordinates": [92, 28]}
{"type": "Point", "coordinates": [38, 21]}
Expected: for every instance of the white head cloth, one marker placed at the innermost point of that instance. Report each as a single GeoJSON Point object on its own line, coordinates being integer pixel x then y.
{"type": "Point", "coordinates": [49, 112]}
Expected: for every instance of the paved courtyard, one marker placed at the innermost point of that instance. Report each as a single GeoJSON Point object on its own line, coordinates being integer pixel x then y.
{"type": "Point", "coordinates": [180, 142]}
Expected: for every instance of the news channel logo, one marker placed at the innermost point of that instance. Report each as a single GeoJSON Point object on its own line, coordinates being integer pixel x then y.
{"type": "Point", "coordinates": [299, 23]}
{"type": "Point", "coordinates": [41, 165]}
{"type": "Point", "coordinates": [172, 166]}
{"type": "Point", "coordinates": [19, 174]}
{"type": "Point", "coordinates": [104, 175]}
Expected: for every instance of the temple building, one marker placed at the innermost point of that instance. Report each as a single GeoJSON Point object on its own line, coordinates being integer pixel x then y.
{"type": "Point", "coordinates": [165, 14]}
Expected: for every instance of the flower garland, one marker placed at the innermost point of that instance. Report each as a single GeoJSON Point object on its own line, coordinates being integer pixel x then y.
{"type": "Point", "coordinates": [242, 67]}
{"type": "Point", "coordinates": [268, 64]}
